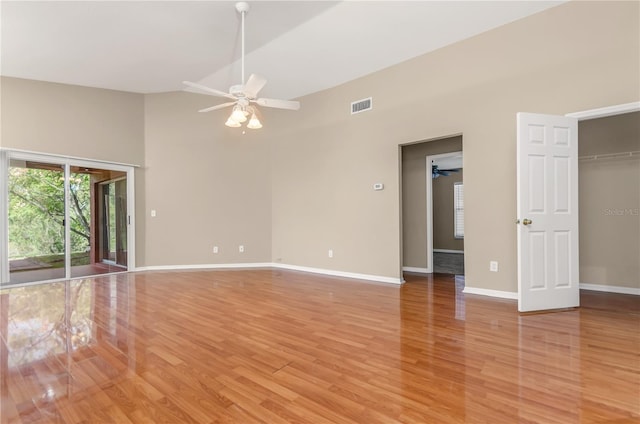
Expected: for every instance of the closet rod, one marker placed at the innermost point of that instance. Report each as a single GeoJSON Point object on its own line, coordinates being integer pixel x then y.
{"type": "Point", "coordinates": [634, 153]}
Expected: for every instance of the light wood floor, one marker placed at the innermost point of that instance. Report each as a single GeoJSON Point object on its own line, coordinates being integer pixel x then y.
{"type": "Point", "coordinates": [272, 346]}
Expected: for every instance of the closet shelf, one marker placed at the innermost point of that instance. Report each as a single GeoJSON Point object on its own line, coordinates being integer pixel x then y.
{"type": "Point", "coordinates": [633, 154]}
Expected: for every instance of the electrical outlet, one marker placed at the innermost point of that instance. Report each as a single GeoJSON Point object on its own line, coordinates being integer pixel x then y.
{"type": "Point", "coordinates": [493, 266]}
{"type": "Point", "coordinates": [331, 253]}
{"type": "Point", "coordinates": [153, 213]}
{"type": "Point", "coordinates": [215, 249]}
{"type": "Point", "coordinates": [241, 249]}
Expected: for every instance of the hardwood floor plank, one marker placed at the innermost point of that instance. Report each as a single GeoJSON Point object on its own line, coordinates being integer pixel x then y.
{"type": "Point", "coordinates": [235, 414]}
{"type": "Point", "coordinates": [243, 387]}
{"type": "Point", "coordinates": [290, 414]}
{"type": "Point", "coordinates": [329, 409]}
{"type": "Point", "coordinates": [310, 372]}
{"type": "Point", "coordinates": [274, 346]}
{"type": "Point", "coordinates": [252, 408]}
{"type": "Point", "coordinates": [267, 383]}
{"type": "Point", "coordinates": [201, 408]}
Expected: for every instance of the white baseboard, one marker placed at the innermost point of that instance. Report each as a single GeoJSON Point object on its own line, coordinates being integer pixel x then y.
{"type": "Point", "coordinates": [414, 269]}
{"type": "Point", "coordinates": [376, 278]}
{"type": "Point", "coordinates": [583, 286]}
{"type": "Point", "coordinates": [491, 293]}
{"type": "Point", "coordinates": [448, 251]}
{"type": "Point", "coordinates": [203, 266]}
{"type": "Point", "coordinates": [333, 273]}
{"type": "Point", "coordinates": [610, 289]}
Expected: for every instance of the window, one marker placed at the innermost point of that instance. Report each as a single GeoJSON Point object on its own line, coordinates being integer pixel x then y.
{"type": "Point", "coordinates": [458, 210]}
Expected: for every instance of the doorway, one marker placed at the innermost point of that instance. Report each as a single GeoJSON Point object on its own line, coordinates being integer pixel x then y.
{"type": "Point", "coordinates": [445, 213]}
{"type": "Point", "coordinates": [415, 233]}
{"type": "Point", "coordinates": [110, 243]}
{"type": "Point", "coordinates": [65, 218]}
{"type": "Point", "coordinates": [609, 203]}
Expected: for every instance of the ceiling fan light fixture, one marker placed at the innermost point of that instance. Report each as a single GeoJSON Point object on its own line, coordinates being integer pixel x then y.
{"type": "Point", "coordinates": [254, 123]}
{"type": "Point", "coordinates": [232, 123]}
{"type": "Point", "coordinates": [238, 115]}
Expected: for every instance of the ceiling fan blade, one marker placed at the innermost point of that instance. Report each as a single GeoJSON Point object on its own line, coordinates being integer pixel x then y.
{"type": "Point", "coordinates": [254, 85]}
{"type": "Point", "coordinates": [216, 107]}
{"type": "Point", "coordinates": [208, 90]}
{"type": "Point", "coordinates": [279, 104]}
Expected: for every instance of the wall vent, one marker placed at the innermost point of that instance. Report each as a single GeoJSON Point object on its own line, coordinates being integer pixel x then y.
{"type": "Point", "coordinates": [361, 105]}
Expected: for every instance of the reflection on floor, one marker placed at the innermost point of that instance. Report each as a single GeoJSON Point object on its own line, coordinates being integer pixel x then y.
{"type": "Point", "coordinates": [45, 274]}
{"type": "Point", "coordinates": [275, 346]}
{"type": "Point", "coordinates": [448, 263]}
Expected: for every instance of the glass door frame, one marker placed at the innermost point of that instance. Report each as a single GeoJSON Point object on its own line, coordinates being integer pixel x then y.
{"type": "Point", "coordinates": [100, 245]}
{"type": "Point", "coordinates": [6, 155]}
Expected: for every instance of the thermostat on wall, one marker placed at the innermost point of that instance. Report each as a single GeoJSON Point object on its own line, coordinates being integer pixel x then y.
{"type": "Point", "coordinates": [378, 186]}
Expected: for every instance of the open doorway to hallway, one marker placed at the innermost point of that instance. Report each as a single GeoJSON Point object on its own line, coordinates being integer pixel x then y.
{"type": "Point", "coordinates": [418, 227]}
{"type": "Point", "coordinates": [445, 217]}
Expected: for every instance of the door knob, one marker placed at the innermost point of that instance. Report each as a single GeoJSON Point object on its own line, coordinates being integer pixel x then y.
{"type": "Point", "coordinates": [527, 221]}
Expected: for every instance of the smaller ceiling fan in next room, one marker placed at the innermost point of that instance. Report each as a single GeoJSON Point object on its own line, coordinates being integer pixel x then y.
{"type": "Point", "coordinates": [437, 172]}
{"type": "Point", "coordinates": [244, 97]}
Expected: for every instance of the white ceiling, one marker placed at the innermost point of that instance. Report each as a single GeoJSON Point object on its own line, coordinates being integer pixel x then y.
{"type": "Point", "coordinates": [454, 161]}
{"type": "Point", "coordinates": [301, 47]}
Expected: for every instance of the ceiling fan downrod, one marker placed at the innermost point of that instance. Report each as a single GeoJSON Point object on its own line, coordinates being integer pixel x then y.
{"type": "Point", "coordinates": [243, 8]}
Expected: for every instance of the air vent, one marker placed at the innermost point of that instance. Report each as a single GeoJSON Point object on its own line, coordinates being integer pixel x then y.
{"type": "Point", "coordinates": [361, 105]}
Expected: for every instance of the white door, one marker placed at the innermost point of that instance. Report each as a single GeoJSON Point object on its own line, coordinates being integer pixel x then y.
{"type": "Point", "coordinates": [547, 184]}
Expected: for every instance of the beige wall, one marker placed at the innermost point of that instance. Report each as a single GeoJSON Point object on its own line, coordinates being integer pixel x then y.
{"type": "Point", "coordinates": [71, 120]}
{"type": "Point", "coordinates": [414, 196]}
{"type": "Point", "coordinates": [610, 202]}
{"type": "Point", "coordinates": [577, 56]}
{"type": "Point", "coordinates": [443, 213]}
{"type": "Point", "coordinates": [209, 184]}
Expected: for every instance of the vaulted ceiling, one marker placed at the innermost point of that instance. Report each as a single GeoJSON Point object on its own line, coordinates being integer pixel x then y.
{"type": "Point", "coordinates": [301, 47]}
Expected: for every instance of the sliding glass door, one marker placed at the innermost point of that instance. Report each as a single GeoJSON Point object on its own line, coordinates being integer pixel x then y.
{"type": "Point", "coordinates": [36, 219]}
{"type": "Point", "coordinates": [98, 221]}
{"type": "Point", "coordinates": [64, 218]}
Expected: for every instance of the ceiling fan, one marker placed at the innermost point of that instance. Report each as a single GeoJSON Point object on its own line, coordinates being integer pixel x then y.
{"type": "Point", "coordinates": [244, 96]}
{"type": "Point", "coordinates": [437, 172]}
